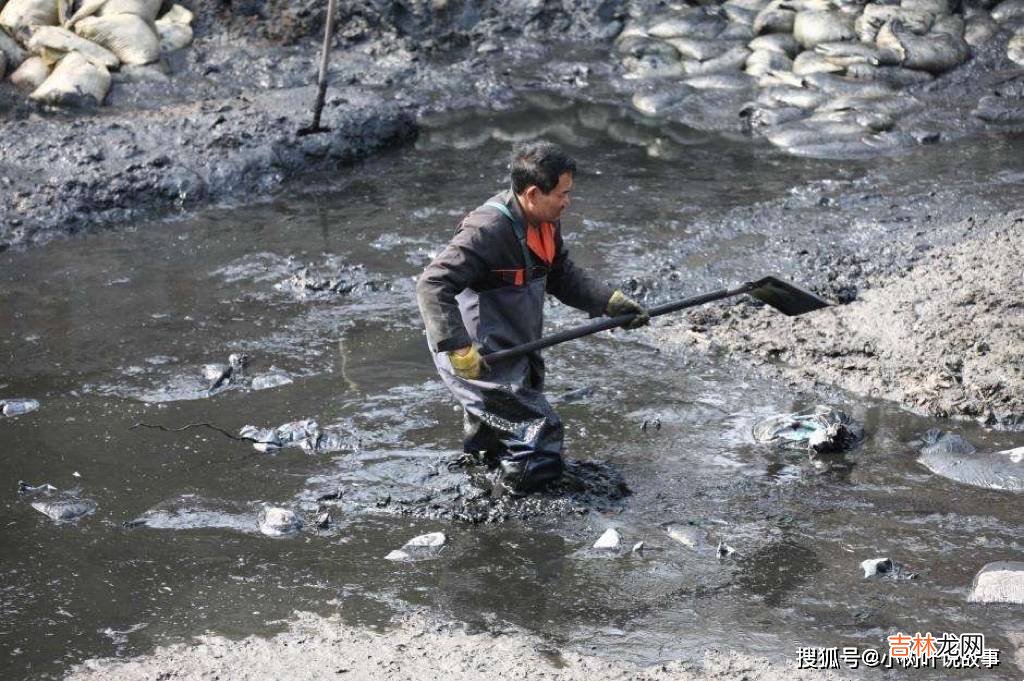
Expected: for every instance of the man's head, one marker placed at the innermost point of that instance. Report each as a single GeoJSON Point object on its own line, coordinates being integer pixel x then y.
{"type": "Point", "coordinates": [542, 177]}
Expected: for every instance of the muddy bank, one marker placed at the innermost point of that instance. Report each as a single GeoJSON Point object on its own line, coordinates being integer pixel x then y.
{"type": "Point", "coordinates": [944, 338]}
{"type": "Point", "coordinates": [324, 648]}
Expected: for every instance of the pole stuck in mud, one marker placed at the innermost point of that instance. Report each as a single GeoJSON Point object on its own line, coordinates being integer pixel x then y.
{"type": "Point", "coordinates": [787, 298]}
{"type": "Point", "coordinates": [321, 83]}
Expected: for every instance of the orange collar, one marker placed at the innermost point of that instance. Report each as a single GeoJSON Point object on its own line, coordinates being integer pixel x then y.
{"type": "Point", "coordinates": [541, 241]}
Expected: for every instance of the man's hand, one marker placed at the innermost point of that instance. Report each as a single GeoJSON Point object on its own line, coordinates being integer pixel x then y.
{"type": "Point", "coordinates": [620, 304]}
{"type": "Point", "coordinates": [466, 362]}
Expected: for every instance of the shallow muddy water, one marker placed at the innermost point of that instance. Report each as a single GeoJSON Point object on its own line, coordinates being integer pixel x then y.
{"type": "Point", "coordinates": [112, 329]}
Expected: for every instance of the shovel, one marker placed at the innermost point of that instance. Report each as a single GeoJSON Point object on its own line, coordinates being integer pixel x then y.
{"type": "Point", "coordinates": [321, 81]}
{"type": "Point", "coordinates": [787, 298]}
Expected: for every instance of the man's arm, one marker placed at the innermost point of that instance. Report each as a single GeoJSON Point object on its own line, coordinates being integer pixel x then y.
{"type": "Point", "coordinates": [574, 286]}
{"type": "Point", "coordinates": [452, 271]}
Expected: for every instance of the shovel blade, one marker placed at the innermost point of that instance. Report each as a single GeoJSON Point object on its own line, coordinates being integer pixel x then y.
{"type": "Point", "coordinates": [787, 298]}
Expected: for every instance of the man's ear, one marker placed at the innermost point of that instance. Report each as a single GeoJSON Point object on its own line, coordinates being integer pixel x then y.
{"type": "Point", "coordinates": [531, 192]}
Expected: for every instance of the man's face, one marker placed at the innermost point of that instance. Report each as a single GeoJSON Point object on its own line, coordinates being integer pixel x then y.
{"type": "Point", "coordinates": [549, 207]}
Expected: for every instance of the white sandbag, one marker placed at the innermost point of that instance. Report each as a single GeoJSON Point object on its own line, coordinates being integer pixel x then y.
{"type": "Point", "coordinates": [177, 15]}
{"type": "Point", "coordinates": [24, 13]}
{"type": "Point", "coordinates": [74, 81]}
{"type": "Point", "coordinates": [61, 40]}
{"type": "Point", "coordinates": [811, 28]}
{"type": "Point", "coordinates": [1008, 10]}
{"type": "Point", "coordinates": [86, 9]}
{"type": "Point", "coordinates": [126, 35]}
{"type": "Point", "coordinates": [174, 35]}
{"type": "Point", "coordinates": [1015, 48]}
{"type": "Point", "coordinates": [11, 50]}
{"type": "Point", "coordinates": [810, 62]}
{"type": "Point", "coordinates": [31, 74]}
{"type": "Point", "coordinates": [146, 9]}
{"type": "Point", "coordinates": [762, 61]}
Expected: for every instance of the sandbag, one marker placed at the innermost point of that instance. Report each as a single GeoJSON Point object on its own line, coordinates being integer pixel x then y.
{"type": "Point", "coordinates": [86, 9]}
{"type": "Point", "coordinates": [777, 17]}
{"type": "Point", "coordinates": [810, 62]}
{"type": "Point", "coordinates": [811, 28]}
{"type": "Point", "coordinates": [934, 53]}
{"type": "Point", "coordinates": [1008, 10]}
{"type": "Point", "coordinates": [12, 51]}
{"type": "Point", "coordinates": [24, 13]}
{"type": "Point", "coordinates": [951, 24]}
{"type": "Point", "coordinates": [177, 15]}
{"type": "Point", "coordinates": [146, 9]}
{"type": "Point", "coordinates": [762, 61]}
{"type": "Point", "coordinates": [693, 25]}
{"type": "Point", "coordinates": [701, 50]}
{"type": "Point", "coordinates": [980, 29]}
{"type": "Point", "coordinates": [731, 60]}
{"type": "Point", "coordinates": [31, 74]}
{"type": "Point", "coordinates": [1015, 48]}
{"type": "Point", "coordinates": [875, 15]}
{"type": "Point", "coordinates": [173, 36]}
{"type": "Point", "coordinates": [126, 35]}
{"type": "Point", "coordinates": [75, 81]}
{"type": "Point", "coordinates": [893, 75]}
{"type": "Point", "coordinates": [58, 40]}
{"type": "Point", "coordinates": [847, 53]}
{"type": "Point", "coordinates": [776, 42]}
{"type": "Point", "coordinates": [934, 7]}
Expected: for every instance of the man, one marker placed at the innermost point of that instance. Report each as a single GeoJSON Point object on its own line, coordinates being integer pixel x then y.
{"type": "Point", "coordinates": [485, 292]}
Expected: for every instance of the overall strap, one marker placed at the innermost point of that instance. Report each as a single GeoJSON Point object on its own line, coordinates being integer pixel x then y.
{"type": "Point", "coordinates": [520, 234]}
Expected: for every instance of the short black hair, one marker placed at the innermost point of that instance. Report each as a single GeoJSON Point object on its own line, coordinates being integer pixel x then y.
{"type": "Point", "coordinates": [539, 163]}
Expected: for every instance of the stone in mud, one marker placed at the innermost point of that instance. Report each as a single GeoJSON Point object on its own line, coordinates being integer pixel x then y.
{"type": "Point", "coordinates": [18, 406]}
{"type": "Point", "coordinates": [951, 456]}
{"type": "Point", "coordinates": [61, 506]}
{"type": "Point", "coordinates": [821, 430]}
{"type": "Point", "coordinates": [885, 567]}
{"type": "Point", "coordinates": [610, 540]}
{"type": "Point", "coordinates": [999, 582]}
{"type": "Point", "coordinates": [279, 522]}
{"type": "Point", "coordinates": [423, 547]}
{"type": "Point", "coordinates": [689, 536]}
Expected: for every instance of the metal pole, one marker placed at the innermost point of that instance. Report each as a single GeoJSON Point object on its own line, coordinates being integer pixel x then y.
{"type": "Point", "coordinates": [321, 93]}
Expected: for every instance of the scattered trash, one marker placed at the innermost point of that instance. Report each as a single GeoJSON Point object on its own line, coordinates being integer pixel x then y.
{"type": "Point", "coordinates": [724, 550]}
{"type": "Point", "coordinates": [820, 430]}
{"type": "Point", "coordinates": [61, 506]}
{"type": "Point", "coordinates": [609, 540]}
{"type": "Point", "coordinates": [17, 407]}
{"type": "Point", "coordinates": [885, 567]}
{"type": "Point", "coordinates": [278, 522]}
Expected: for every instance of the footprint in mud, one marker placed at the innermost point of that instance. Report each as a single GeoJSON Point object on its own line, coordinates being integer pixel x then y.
{"type": "Point", "coordinates": [420, 484]}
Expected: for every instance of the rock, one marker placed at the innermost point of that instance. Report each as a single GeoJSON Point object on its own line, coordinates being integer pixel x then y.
{"type": "Point", "coordinates": [609, 540]}
{"type": "Point", "coordinates": [423, 547]}
{"type": "Point", "coordinates": [999, 582]}
{"type": "Point", "coordinates": [951, 456]}
{"type": "Point", "coordinates": [885, 567]}
{"type": "Point", "coordinates": [278, 522]}
{"type": "Point", "coordinates": [17, 407]}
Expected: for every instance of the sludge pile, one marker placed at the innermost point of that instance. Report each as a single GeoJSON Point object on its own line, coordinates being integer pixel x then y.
{"type": "Point", "coordinates": [827, 74]}
{"type": "Point", "coordinates": [65, 50]}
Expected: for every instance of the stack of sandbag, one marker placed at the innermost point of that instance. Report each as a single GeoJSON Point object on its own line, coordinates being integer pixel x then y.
{"type": "Point", "coordinates": [827, 71]}
{"type": "Point", "coordinates": [93, 37]}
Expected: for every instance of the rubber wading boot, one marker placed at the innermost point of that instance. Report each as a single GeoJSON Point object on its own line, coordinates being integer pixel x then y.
{"type": "Point", "coordinates": [522, 475]}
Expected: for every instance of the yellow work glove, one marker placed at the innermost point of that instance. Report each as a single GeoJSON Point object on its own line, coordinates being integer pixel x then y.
{"type": "Point", "coordinates": [466, 362]}
{"type": "Point", "coordinates": [620, 304]}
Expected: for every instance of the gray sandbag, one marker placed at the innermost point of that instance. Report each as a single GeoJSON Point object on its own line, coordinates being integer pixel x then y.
{"type": "Point", "coordinates": [761, 62]}
{"type": "Point", "coordinates": [175, 29]}
{"type": "Point", "coordinates": [895, 105]}
{"type": "Point", "coordinates": [126, 35]}
{"type": "Point", "coordinates": [31, 74]}
{"type": "Point", "coordinates": [801, 97]}
{"type": "Point", "coordinates": [811, 28]}
{"type": "Point", "coordinates": [644, 46]}
{"type": "Point", "coordinates": [876, 15]}
{"type": "Point", "coordinates": [782, 43]}
{"type": "Point", "coordinates": [875, 121]}
{"type": "Point", "coordinates": [742, 32]}
{"type": "Point", "coordinates": [839, 85]}
{"type": "Point", "coordinates": [802, 133]}
{"type": "Point", "coordinates": [753, 5]}
{"type": "Point", "coordinates": [702, 50]}
{"type": "Point", "coordinates": [935, 53]}
{"type": "Point", "coordinates": [778, 77]}
{"type": "Point", "coordinates": [696, 24]}
{"type": "Point", "coordinates": [1008, 10]}
{"type": "Point", "coordinates": [739, 15]}
{"type": "Point", "coordinates": [980, 29]}
{"type": "Point", "coordinates": [75, 81]}
{"type": "Point", "coordinates": [935, 7]}
{"type": "Point", "coordinates": [731, 60]}
{"type": "Point", "coordinates": [777, 17]}
{"type": "Point", "coordinates": [759, 116]}
{"type": "Point", "coordinates": [24, 13]}
{"type": "Point", "coordinates": [12, 51]}
{"type": "Point", "coordinates": [146, 9]}
{"type": "Point", "coordinates": [1015, 48]}
{"type": "Point", "coordinates": [811, 62]}
{"type": "Point", "coordinates": [950, 24]}
{"type": "Point", "coordinates": [51, 41]}
{"type": "Point", "coordinates": [847, 53]}
{"type": "Point", "coordinates": [721, 81]}
{"type": "Point", "coordinates": [893, 75]}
